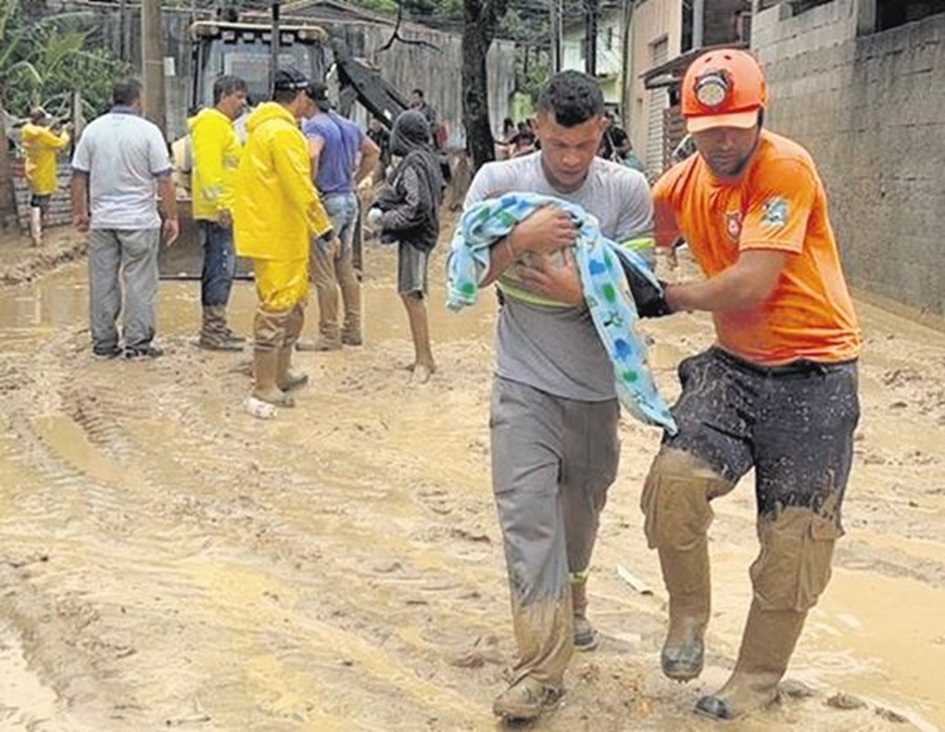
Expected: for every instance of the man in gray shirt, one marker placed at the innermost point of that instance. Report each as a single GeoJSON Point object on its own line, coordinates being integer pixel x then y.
{"type": "Point", "coordinates": [122, 160]}
{"type": "Point", "coordinates": [554, 409]}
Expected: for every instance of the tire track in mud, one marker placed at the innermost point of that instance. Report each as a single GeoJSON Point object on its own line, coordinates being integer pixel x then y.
{"type": "Point", "coordinates": [102, 417]}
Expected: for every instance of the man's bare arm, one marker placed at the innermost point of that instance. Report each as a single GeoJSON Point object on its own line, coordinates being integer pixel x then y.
{"type": "Point", "coordinates": [744, 285]}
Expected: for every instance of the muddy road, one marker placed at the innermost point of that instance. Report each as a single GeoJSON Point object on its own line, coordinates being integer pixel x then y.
{"type": "Point", "coordinates": [167, 562]}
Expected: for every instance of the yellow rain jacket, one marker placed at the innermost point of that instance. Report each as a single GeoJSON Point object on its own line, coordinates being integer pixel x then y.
{"type": "Point", "coordinates": [277, 208]}
{"type": "Point", "coordinates": [216, 157]}
{"type": "Point", "coordinates": [41, 145]}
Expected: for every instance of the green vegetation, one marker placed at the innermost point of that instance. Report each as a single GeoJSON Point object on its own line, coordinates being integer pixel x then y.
{"type": "Point", "coordinates": [44, 59]}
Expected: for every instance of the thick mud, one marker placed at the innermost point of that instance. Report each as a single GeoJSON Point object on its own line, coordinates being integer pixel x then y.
{"type": "Point", "coordinates": [167, 562]}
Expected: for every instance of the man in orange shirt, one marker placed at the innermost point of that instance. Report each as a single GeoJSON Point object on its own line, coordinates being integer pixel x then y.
{"type": "Point", "coordinates": [778, 391]}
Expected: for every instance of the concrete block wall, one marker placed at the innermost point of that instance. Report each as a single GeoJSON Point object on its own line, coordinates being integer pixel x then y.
{"type": "Point", "coordinates": [869, 109]}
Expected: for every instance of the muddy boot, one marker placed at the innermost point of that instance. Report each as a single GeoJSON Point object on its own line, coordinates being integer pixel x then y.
{"type": "Point", "coordinates": [287, 379]}
{"type": "Point", "coordinates": [524, 700]}
{"type": "Point", "coordinates": [352, 338]}
{"type": "Point", "coordinates": [213, 335]}
{"type": "Point", "coordinates": [266, 370]}
{"type": "Point", "coordinates": [233, 337]}
{"type": "Point", "coordinates": [36, 226]}
{"type": "Point", "coordinates": [767, 645]}
{"type": "Point", "coordinates": [686, 574]}
{"type": "Point", "coordinates": [585, 636]}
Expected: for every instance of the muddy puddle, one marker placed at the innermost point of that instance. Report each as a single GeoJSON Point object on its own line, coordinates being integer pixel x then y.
{"type": "Point", "coordinates": [170, 563]}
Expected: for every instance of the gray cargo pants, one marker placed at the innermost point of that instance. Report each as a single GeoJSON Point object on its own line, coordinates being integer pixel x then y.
{"type": "Point", "coordinates": [126, 257]}
{"type": "Point", "coordinates": [553, 460]}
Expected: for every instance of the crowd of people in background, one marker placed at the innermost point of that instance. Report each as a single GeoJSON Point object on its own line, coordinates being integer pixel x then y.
{"type": "Point", "coordinates": [286, 198]}
{"type": "Point", "coordinates": [514, 140]}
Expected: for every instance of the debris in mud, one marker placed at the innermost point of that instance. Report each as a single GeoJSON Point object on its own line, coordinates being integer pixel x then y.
{"type": "Point", "coordinates": [470, 536]}
{"type": "Point", "coordinates": [794, 689]}
{"type": "Point", "coordinates": [890, 716]}
{"type": "Point", "coordinates": [636, 584]}
{"type": "Point", "coordinates": [845, 702]}
{"type": "Point", "coordinates": [901, 377]}
{"type": "Point", "coordinates": [36, 262]}
{"type": "Point", "coordinates": [181, 721]}
{"type": "Point", "coordinates": [484, 651]}
{"type": "Point", "coordinates": [589, 672]}
{"type": "Point", "coordinates": [25, 562]}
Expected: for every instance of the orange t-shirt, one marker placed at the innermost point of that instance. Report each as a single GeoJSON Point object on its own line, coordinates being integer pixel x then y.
{"type": "Point", "coordinates": [779, 203]}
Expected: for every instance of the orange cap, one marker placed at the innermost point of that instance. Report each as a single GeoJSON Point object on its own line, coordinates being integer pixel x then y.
{"type": "Point", "coordinates": [723, 88]}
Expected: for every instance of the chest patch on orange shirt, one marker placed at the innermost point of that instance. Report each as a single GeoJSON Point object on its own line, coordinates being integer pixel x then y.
{"type": "Point", "coordinates": [733, 225]}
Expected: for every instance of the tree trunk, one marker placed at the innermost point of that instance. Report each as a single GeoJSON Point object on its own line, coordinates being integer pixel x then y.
{"type": "Point", "coordinates": [8, 217]}
{"type": "Point", "coordinates": [480, 18]}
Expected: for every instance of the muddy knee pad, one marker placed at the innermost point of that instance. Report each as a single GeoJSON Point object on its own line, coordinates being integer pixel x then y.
{"type": "Point", "coordinates": [269, 329]}
{"type": "Point", "coordinates": [675, 499]}
{"type": "Point", "coordinates": [793, 568]}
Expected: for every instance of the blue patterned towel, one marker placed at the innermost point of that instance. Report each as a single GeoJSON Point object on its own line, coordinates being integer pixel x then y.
{"type": "Point", "coordinates": [605, 289]}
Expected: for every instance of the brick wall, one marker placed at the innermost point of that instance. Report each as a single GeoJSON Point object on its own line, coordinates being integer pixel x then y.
{"type": "Point", "coordinates": [60, 207]}
{"type": "Point", "coordinates": [869, 109]}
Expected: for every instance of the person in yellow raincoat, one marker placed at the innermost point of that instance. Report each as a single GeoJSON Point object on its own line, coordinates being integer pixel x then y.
{"type": "Point", "coordinates": [276, 209]}
{"type": "Point", "coordinates": [42, 144]}
{"type": "Point", "coordinates": [216, 157]}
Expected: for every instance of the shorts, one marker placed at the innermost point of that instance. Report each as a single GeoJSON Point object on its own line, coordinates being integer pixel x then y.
{"type": "Point", "coordinates": [412, 265]}
{"type": "Point", "coordinates": [793, 424]}
{"type": "Point", "coordinates": [40, 201]}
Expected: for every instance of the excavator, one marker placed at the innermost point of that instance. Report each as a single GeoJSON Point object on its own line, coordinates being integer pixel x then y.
{"type": "Point", "coordinates": [243, 47]}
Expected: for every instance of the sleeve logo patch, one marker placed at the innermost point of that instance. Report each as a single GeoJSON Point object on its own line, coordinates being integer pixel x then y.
{"type": "Point", "coordinates": [775, 212]}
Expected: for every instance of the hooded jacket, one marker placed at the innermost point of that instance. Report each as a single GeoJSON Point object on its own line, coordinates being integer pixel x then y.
{"type": "Point", "coordinates": [216, 157]}
{"type": "Point", "coordinates": [276, 205]}
{"type": "Point", "coordinates": [411, 202]}
{"type": "Point", "coordinates": [41, 145]}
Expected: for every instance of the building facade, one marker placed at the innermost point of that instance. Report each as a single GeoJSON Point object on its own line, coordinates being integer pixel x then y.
{"type": "Point", "coordinates": [610, 49]}
{"type": "Point", "coordinates": [860, 84]}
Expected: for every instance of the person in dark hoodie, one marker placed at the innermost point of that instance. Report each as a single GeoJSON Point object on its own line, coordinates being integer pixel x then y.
{"type": "Point", "coordinates": [407, 211]}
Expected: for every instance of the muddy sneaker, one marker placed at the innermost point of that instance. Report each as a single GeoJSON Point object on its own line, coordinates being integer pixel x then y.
{"type": "Point", "coordinates": [525, 700]}
{"type": "Point", "coordinates": [137, 353]}
{"type": "Point", "coordinates": [352, 339]}
{"type": "Point", "coordinates": [105, 354]}
{"type": "Point", "coordinates": [585, 637]}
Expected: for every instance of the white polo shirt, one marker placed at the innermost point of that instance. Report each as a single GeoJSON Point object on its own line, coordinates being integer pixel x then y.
{"type": "Point", "coordinates": [123, 154]}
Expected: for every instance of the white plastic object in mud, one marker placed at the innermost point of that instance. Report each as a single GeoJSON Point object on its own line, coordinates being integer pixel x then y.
{"type": "Point", "coordinates": [258, 408]}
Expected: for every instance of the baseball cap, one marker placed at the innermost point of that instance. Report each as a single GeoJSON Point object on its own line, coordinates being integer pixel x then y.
{"type": "Point", "coordinates": [318, 92]}
{"type": "Point", "coordinates": [290, 79]}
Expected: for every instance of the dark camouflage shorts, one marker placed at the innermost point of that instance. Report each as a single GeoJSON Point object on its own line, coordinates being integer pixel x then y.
{"type": "Point", "coordinates": [794, 424]}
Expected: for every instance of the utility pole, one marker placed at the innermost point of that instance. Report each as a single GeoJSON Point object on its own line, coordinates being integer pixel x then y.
{"type": "Point", "coordinates": [554, 7]}
{"type": "Point", "coordinates": [152, 62]}
{"type": "Point", "coordinates": [274, 46]}
{"type": "Point", "coordinates": [592, 9]}
{"type": "Point", "coordinates": [122, 51]}
{"type": "Point", "coordinates": [698, 23]}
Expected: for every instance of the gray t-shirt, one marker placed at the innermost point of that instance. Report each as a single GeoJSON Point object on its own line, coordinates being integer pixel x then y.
{"type": "Point", "coordinates": [557, 350]}
{"type": "Point", "coordinates": [123, 154]}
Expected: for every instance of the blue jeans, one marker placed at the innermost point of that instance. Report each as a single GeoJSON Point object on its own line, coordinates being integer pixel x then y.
{"type": "Point", "coordinates": [342, 209]}
{"type": "Point", "coordinates": [219, 263]}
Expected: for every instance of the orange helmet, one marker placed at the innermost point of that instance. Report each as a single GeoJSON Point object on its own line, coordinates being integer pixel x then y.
{"type": "Point", "coordinates": [723, 88]}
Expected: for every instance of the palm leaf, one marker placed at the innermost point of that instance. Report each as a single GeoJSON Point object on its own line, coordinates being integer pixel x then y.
{"type": "Point", "coordinates": [28, 68]}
